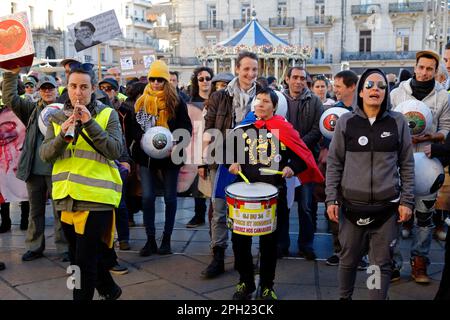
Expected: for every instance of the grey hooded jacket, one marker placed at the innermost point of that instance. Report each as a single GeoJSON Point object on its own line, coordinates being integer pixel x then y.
{"type": "Point", "coordinates": [369, 164]}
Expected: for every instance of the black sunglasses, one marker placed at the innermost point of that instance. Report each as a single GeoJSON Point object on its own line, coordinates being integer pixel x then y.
{"type": "Point", "coordinates": [201, 79]}
{"type": "Point", "coordinates": [29, 86]}
{"type": "Point", "coordinates": [380, 84]}
{"type": "Point", "coordinates": [319, 77]}
{"type": "Point", "coordinates": [159, 80]}
{"type": "Point", "coordinates": [81, 66]}
{"type": "Point", "coordinates": [107, 89]}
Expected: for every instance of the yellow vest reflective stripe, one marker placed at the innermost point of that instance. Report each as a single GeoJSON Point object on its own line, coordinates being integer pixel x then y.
{"type": "Point", "coordinates": [84, 174]}
{"type": "Point", "coordinates": [121, 97]}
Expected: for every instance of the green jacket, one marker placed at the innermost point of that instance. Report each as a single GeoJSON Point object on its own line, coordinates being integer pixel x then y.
{"type": "Point", "coordinates": [28, 112]}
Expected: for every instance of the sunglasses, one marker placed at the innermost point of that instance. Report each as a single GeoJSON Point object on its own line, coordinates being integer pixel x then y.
{"type": "Point", "coordinates": [320, 77]}
{"type": "Point", "coordinates": [81, 66]}
{"type": "Point", "coordinates": [49, 88]}
{"type": "Point", "coordinates": [380, 84]}
{"type": "Point", "coordinates": [201, 79]}
{"type": "Point", "coordinates": [29, 86]}
{"type": "Point", "coordinates": [107, 89]}
{"type": "Point", "coordinates": [159, 80]}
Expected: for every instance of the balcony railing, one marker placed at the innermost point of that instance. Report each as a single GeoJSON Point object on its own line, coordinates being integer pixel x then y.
{"type": "Point", "coordinates": [47, 30]}
{"type": "Point", "coordinates": [184, 61]}
{"type": "Point", "coordinates": [142, 22]}
{"type": "Point", "coordinates": [145, 3]}
{"type": "Point", "coordinates": [175, 27]}
{"type": "Point", "coordinates": [379, 55]}
{"type": "Point", "coordinates": [317, 21]}
{"type": "Point", "coordinates": [210, 25]}
{"type": "Point", "coordinates": [364, 9]}
{"type": "Point", "coordinates": [281, 22]}
{"type": "Point", "coordinates": [327, 58]}
{"type": "Point", "coordinates": [406, 7]}
{"type": "Point", "coordinates": [239, 23]}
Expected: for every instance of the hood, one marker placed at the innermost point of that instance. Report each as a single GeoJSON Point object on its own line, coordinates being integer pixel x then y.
{"type": "Point", "coordinates": [357, 100]}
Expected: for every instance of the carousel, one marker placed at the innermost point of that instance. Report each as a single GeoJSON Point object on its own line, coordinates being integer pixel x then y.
{"type": "Point", "coordinates": [275, 54]}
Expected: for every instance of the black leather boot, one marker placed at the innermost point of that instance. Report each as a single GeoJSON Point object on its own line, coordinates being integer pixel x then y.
{"type": "Point", "coordinates": [24, 213]}
{"type": "Point", "coordinates": [6, 220]}
{"type": "Point", "coordinates": [149, 248]}
{"type": "Point", "coordinates": [165, 245]}
{"type": "Point", "coordinates": [217, 265]}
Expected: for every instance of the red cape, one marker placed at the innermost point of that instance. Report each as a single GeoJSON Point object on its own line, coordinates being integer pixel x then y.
{"type": "Point", "coordinates": [285, 132]}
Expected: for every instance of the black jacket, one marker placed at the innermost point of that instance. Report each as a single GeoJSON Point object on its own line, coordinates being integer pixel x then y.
{"type": "Point", "coordinates": [180, 121]}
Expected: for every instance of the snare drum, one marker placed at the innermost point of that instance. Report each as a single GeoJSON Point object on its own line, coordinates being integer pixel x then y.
{"type": "Point", "coordinates": [252, 208]}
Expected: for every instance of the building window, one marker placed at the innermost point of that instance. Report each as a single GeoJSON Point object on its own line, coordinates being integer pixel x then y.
{"type": "Point", "coordinates": [319, 45]}
{"type": "Point", "coordinates": [87, 58]}
{"type": "Point", "coordinates": [102, 54]}
{"type": "Point", "coordinates": [402, 40]}
{"type": "Point", "coordinates": [282, 12]}
{"type": "Point", "coordinates": [13, 7]}
{"type": "Point", "coordinates": [31, 15]}
{"type": "Point", "coordinates": [365, 40]}
{"type": "Point", "coordinates": [246, 12]}
{"type": "Point", "coordinates": [50, 54]}
{"type": "Point", "coordinates": [127, 12]}
{"type": "Point", "coordinates": [50, 19]}
{"type": "Point", "coordinates": [319, 11]}
{"type": "Point", "coordinates": [211, 40]}
{"type": "Point", "coordinates": [212, 15]}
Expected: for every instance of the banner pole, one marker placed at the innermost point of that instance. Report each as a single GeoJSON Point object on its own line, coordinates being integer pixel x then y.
{"type": "Point", "coordinates": [99, 63]}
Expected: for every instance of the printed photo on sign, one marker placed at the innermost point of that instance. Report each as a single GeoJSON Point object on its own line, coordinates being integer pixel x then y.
{"type": "Point", "coordinates": [148, 60]}
{"type": "Point", "coordinates": [126, 63]}
{"type": "Point", "coordinates": [95, 30]}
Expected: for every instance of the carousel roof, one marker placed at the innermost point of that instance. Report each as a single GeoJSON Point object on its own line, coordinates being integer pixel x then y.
{"type": "Point", "coordinates": [254, 34]}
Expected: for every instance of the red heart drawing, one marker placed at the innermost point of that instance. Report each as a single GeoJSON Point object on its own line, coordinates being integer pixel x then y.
{"type": "Point", "coordinates": [12, 36]}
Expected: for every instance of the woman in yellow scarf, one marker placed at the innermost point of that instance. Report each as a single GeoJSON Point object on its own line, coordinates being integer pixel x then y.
{"type": "Point", "coordinates": [160, 105]}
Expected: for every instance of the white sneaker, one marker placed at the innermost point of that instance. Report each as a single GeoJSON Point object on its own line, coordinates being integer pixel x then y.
{"type": "Point", "coordinates": [440, 233]}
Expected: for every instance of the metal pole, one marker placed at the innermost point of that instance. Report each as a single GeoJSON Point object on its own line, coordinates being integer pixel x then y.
{"type": "Point", "coordinates": [99, 63]}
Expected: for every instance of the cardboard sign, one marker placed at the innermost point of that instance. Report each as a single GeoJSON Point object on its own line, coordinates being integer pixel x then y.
{"type": "Point", "coordinates": [135, 62]}
{"type": "Point", "coordinates": [16, 43]}
{"type": "Point", "coordinates": [95, 30]}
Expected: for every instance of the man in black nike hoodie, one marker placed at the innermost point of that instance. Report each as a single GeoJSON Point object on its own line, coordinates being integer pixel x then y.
{"type": "Point", "coordinates": [370, 173]}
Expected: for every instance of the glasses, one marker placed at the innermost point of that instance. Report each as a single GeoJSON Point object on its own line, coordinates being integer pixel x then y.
{"type": "Point", "coordinates": [81, 66]}
{"type": "Point", "coordinates": [380, 84]}
{"type": "Point", "coordinates": [201, 79]}
{"type": "Point", "coordinates": [29, 86]}
{"type": "Point", "coordinates": [107, 89]}
{"type": "Point", "coordinates": [159, 80]}
{"type": "Point", "coordinates": [320, 77]}
{"type": "Point", "coordinates": [46, 88]}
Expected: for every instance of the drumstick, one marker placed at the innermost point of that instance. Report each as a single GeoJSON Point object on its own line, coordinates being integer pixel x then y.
{"type": "Point", "coordinates": [270, 171]}
{"type": "Point", "coordinates": [243, 177]}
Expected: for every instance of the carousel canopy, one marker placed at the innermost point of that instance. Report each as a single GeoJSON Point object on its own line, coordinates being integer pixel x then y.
{"type": "Point", "coordinates": [255, 38]}
{"type": "Point", "coordinates": [253, 34]}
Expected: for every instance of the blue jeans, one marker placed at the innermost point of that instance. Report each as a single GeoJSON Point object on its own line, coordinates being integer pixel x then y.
{"type": "Point", "coordinates": [123, 231]}
{"type": "Point", "coordinates": [148, 182]}
{"type": "Point", "coordinates": [304, 197]}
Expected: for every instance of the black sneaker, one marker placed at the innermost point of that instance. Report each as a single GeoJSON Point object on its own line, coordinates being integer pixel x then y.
{"type": "Point", "coordinates": [195, 222]}
{"type": "Point", "coordinates": [31, 255]}
{"type": "Point", "coordinates": [119, 270]}
{"type": "Point", "coordinates": [112, 295]}
{"type": "Point", "coordinates": [243, 292]}
{"type": "Point", "coordinates": [268, 294]}
{"type": "Point", "coordinates": [333, 260]}
{"type": "Point", "coordinates": [363, 264]}
{"type": "Point", "coordinates": [395, 275]}
{"type": "Point", "coordinates": [308, 255]}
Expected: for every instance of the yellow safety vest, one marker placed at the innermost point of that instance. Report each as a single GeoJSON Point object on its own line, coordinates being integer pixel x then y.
{"type": "Point", "coordinates": [85, 175]}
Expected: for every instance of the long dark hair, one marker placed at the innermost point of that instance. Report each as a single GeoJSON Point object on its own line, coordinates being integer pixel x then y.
{"type": "Point", "coordinates": [194, 81]}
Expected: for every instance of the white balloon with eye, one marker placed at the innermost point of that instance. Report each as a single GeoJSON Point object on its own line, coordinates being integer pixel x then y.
{"type": "Point", "coordinates": [417, 114]}
{"type": "Point", "coordinates": [157, 142]}
{"type": "Point", "coordinates": [46, 114]}
{"type": "Point", "coordinates": [328, 120]}
{"type": "Point", "coordinates": [428, 174]}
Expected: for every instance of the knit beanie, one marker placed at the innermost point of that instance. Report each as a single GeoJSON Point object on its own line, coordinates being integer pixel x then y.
{"type": "Point", "coordinates": [159, 69]}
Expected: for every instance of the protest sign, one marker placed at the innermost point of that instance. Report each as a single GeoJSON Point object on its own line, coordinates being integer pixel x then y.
{"type": "Point", "coordinates": [16, 43]}
{"type": "Point", "coordinates": [136, 62]}
{"type": "Point", "coordinates": [95, 30]}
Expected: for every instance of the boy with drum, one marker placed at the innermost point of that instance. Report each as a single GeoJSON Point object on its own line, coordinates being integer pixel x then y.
{"type": "Point", "coordinates": [262, 133]}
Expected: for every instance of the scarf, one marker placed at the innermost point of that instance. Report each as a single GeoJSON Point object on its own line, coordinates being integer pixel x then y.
{"type": "Point", "coordinates": [153, 103]}
{"type": "Point", "coordinates": [421, 89]}
{"type": "Point", "coordinates": [241, 99]}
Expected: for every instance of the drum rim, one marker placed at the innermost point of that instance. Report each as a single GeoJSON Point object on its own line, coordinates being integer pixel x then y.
{"type": "Point", "coordinates": [240, 197]}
